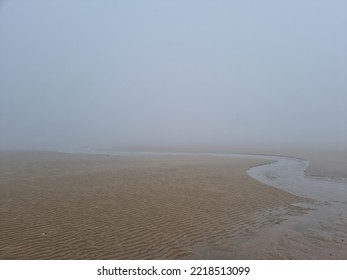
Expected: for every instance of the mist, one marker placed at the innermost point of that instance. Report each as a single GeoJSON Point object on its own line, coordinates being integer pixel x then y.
{"type": "Point", "coordinates": [95, 74]}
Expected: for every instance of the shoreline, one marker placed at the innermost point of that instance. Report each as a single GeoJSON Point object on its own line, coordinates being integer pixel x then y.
{"type": "Point", "coordinates": [157, 207]}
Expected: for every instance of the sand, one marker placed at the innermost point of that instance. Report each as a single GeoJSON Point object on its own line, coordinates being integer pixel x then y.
{"type": "Point", "coordinates": [323, 161]}
{"type": "Point", "coordinates": [68, 206]}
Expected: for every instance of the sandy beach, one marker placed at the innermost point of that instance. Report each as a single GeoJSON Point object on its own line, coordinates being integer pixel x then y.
{"type": "Point", "coordinates": [76, 206]}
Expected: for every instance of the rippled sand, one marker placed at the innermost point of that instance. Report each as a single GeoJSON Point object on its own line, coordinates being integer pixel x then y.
{"type": "Point", "coordinates": [63, 206]}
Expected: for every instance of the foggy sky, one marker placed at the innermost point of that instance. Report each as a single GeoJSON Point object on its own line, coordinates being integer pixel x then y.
{"type": "Point", "coordinates": [77, 74]}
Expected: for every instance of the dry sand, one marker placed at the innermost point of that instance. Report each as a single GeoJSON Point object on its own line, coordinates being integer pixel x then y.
{"type": "Point", "coordinates": [65, 206]}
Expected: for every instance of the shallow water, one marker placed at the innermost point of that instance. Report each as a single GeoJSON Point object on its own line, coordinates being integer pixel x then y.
{"type": "Point", "coordinates": [289, 174]}
{"type": "Point", "coordinates": [321, 232]}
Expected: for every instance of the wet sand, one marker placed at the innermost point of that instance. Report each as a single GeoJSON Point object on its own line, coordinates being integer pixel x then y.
{"type": "Point", "coordinates": [65, 206]}
{"type": "Point", "coordinates": [323, 229]}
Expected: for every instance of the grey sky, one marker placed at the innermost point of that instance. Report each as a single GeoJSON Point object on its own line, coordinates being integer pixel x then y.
{"type": "Point", "coordinates": [103, 73]}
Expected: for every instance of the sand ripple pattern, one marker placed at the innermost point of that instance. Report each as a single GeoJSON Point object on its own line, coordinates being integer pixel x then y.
{"type": "Point", "coordinates": [96, 207]}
